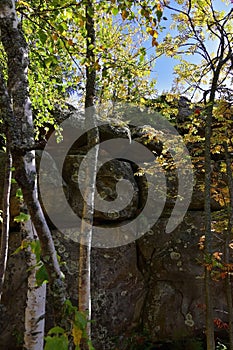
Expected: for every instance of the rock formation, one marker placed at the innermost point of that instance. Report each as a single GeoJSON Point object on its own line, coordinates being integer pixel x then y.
{"type": "Point", "coordinates": [154, 284]}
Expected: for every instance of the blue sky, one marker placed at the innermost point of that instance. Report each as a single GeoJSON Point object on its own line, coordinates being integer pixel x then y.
{"type": "Point", "coordinates": [163, 70]}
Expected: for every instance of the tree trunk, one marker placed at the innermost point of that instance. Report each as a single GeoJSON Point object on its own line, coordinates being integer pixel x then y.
{"type": "Point", "coordinates": [208, 235]}
{"type": "Point", "coordinates": [227, 241]}
{"type": "Point", "coordinates": [5, 110]}
{"type": "Point", "coordinates": [28, 184]}
{"type": "Point", "coordinates": [21, 139]}
{"type": "Point", "coordinates": [36, 298]}
{"type": "Point", "coordinates": [5, 219]}
{"type": "Point", "coordinates": [208, 217]}
{"type": "Point", "coordinates": [84, 288]}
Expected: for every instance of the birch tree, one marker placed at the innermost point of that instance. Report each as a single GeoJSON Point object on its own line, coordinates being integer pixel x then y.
{"type": "Point", "coordinates": [20, 138]}
{"type": "Point", "coordinates": [84, 287]}
{"type": "Point", "coordinates": [92, 66]}
{"type": "Point", "coordinates": [36, 296]}
{"type": "Point", "coordinates": [6, 214]}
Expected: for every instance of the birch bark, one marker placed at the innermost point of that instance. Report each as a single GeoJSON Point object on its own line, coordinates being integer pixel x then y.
{"type": "Point", "coordinates": [84, 286]}
{"type": "Point", "coordinates": [5, 110]}
{"type": "Point", "coordinates": [36, 298]}
{"type": "Point", "coordinates": [5, 220]}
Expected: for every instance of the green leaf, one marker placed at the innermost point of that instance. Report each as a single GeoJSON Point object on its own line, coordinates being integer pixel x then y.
{"type": "Point", "coordinates": [159, 14]}
{"type": "Point", "coordinates": [17, 250]}
{"type": "Point", "coordinates": [22, 217]}
{"type": "Point", "coordinates": [68, 303]}
{"type": "Point", "coordinates": [56, 343]}
{"type": "Point", "coordinates": [19, 194]}
{"type": "Point", "coordinates": [115, 11]}
{"type": "Point", "coordinates": [91, 47]}
{"type": "Point", "coordinates": [43, 36]}
{"type": "Point", "coordinates": [90, 346]}
{"type": "Point", "coordinates": [42, 277]}
{"type": "Point", "coordinates": [36, 249]}
{"type": "Point", "coordinates": [68, 14]}
{"type": "Point", "coordinates": [48, 61]}
{"type": "Point", "coordinates": [56, 331]}
{"type": "Point", "coordinates": [80, 320]}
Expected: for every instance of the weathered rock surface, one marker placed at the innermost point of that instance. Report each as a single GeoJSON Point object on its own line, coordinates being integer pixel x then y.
{"type": "Point", "coordinates": [174, 279]}
{"type": "Point", "coordinates": [108, 177]}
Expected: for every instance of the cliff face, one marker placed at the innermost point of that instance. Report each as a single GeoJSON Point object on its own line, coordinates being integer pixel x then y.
{"type": "Point", "coordinates": [154, 283]}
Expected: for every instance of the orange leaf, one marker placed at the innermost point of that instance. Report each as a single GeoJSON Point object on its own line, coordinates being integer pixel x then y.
{"type": "Point", "coordinates": [54, 36]}
{"type": "Point", "coordinates": [70, 42]}
{"type": "Point", "coordinates": [223, 274]}
{"type": "Point", "coordinates": [159, 8]}
{"type": "Point", "coordinates": [124, 14]}
{"type": "Point", "coordinates": [154, 42]}
{"type": "Point", "coordinates": [217, 255]}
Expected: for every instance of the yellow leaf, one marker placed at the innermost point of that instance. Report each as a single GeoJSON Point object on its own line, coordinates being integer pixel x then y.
{"type": "Point", "coordinates": [142, 100]}
{"type": "Point", "coordinates": [77, 335]}
{"type": "Point", "coordinates": [155, 34]}
{"type": "Point", "coordinates": [97, 66]}
{"type": "Point", "coordinates": [159, 8]}
{"type": "Point", "coordinates": [24, 3]}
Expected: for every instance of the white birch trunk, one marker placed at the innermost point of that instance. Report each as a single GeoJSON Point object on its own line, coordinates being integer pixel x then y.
{"type": "Point", "coordinates": [84, 283]}
{"type": "Point", "coordinates": [84, 287]}
{"type": "Point", "coordinates": [36, 295]}
{"type": "Point", "coordinates": [36, 298]}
